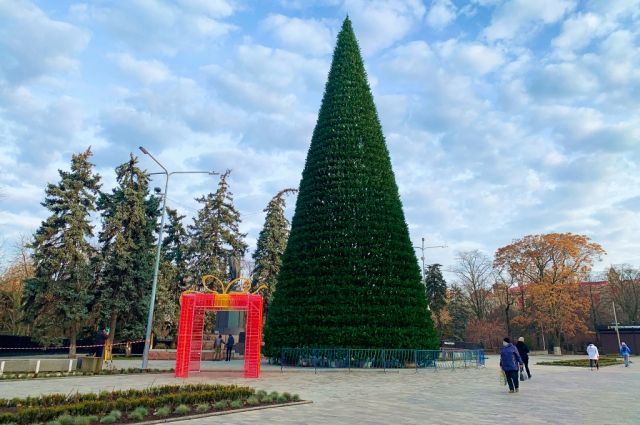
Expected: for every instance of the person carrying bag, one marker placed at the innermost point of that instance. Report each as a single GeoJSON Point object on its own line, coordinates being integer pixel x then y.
{"type": "Point", "coordinates": [523, 377]}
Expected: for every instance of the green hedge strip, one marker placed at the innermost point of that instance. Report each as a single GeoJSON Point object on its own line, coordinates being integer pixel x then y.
{"type": "Point", "coordinates": [57, 399]}
{"type": "Point", "coordinates": [97, 404]}
{"type": "Point", "coordinates": [86, 409]}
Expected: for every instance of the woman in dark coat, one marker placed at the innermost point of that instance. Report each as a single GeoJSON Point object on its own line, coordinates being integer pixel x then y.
{"type": "Point", "coordinates": [510, 363]}
{"type": "Point", "coordinates": [523, 350]}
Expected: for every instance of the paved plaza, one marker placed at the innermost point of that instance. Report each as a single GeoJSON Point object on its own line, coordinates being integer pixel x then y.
{"type": "Point", "coordinates": [555, 395]}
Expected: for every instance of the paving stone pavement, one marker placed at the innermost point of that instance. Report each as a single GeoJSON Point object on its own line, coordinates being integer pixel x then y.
{"type": "Point", "coordinates": [555, 395]}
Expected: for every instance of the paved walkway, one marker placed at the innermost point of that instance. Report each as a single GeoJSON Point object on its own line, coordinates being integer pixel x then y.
{"type": "Point", "coordinates": [555, 395]}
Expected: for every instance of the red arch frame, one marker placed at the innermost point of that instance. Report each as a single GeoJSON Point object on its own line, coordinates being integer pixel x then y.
{"type": "Point", "coordinates": [190, 329]}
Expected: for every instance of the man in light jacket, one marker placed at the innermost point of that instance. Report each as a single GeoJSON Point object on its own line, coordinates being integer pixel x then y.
{"type": "Point", "coordinates": [625, 351]}
{"type": "Point", "coordinates": [594, 356]}
{"type": "Point", "coordinates": [510, 363]}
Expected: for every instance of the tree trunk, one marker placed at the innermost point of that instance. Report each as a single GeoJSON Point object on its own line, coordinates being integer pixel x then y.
{"type": "Point", "coordinates": [507, 319]}
{"type": "Point", "coordinates": [594, 317]}
{"type": "Point", "coordinates": [112, 327]}
{"type": "Point", "coordinates": [73, 335]}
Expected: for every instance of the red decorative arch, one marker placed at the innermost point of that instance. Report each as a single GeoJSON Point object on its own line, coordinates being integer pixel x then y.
{"type": "Point", "coordinates": [190, 331]}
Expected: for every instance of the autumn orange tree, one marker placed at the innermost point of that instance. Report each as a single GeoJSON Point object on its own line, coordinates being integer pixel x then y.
{"type": "Point", "coordinates": [549, 269]}
{"type": "Point", "coordinates": [11, 286]}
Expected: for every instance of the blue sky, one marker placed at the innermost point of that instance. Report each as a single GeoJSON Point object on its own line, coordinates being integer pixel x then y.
{"type": "Point", "coordinates": [503, 117]}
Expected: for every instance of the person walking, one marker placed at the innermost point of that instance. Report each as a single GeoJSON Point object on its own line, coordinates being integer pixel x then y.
{"type": "Point", "coordinates": [523, 350]}
{"type": "Point", "coordinates": [625, 351]}
{"type": "Point", "coordinates": [594, 356]}
{"type": "Point", "coordinates": [229, 344]}
{"type": "Point", "coordinates": [217, 347]}
{"type": "Point", "coordinates": [510, 363]}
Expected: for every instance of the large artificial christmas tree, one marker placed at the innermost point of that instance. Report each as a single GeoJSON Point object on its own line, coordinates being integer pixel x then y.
{"type": "Point", "coordinates": [349, 275]}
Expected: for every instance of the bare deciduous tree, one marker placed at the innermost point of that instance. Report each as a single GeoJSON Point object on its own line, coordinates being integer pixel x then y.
{"type": "Point", "coordinates": [503, 285]}
{"type": "Point", "coordinates": [473, 270]}
{"type": "Point", "coordinates": [624, 289]}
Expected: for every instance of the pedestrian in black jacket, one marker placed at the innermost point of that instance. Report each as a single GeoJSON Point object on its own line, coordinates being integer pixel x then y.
{"type": "Point", "coordinates": [229, 344]}
{"type": "Point", "coordinates": [523, 350]}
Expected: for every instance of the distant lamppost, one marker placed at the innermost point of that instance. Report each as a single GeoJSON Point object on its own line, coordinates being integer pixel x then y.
{"type": "Point", "coordinates": [615, 317]}
{"type": "Point", "coordinates": [147, 339]}
{"type": "Point", "coordinates": [422, 248]}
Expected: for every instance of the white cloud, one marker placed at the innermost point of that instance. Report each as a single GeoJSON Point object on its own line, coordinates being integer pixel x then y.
{"type": "Point", "coordinates": [310, 36]}
{"type": "Point", "coordinates": [250, 92]}
{"type": "Point", "coordinates": [379, 24]}
{"type": "Point", "coordinates": [38, 119]}
{"type": "Point", "coordinates": [441, 13]}
{"type": "Point", "coordinates": [21, 222]}
{"type": "Point", "coordinates": [159, 26]}
{"type": "Point", "coordinates": [414, 58]}
{"type": "Point", "coordinates": [32, 44]}
{"type": "Point", "coordinates": [475, 56]}
{"type": "Point", "coordinates": [531, 125]}
{"type": "Point", "coordinates": [554, 158]}
{"type": "Point", "coordinates": [578, 31]}
{"type": "Point", "coordinates": [277, 68]}
{"type": "Point", "coordinates": [146, 71]}
{"type": "Point", "coordinates": [213, 8]}
{"type": "Point", "coordinates": [564, 79]}
{"type": "Point", "coordinates": [519, 18]}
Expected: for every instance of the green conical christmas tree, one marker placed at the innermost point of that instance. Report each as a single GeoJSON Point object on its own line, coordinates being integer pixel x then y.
{"type": "Point", "coordinates": [349, 275]}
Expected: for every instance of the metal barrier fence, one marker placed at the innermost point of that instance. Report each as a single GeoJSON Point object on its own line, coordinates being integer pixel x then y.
{"type": "Point", "coordinates": [362, 358]}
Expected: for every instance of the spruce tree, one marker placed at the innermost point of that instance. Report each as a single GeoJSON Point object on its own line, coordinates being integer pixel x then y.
{"type": "Point", "coordinates": [458, 309]}
{"type": "Point", "coordinates": [272, 242]}
{"type": "Point", "coordinates": [172, 276]}
{"type": "Point", "coordinates": [349, 274]}
{"type": "Point", "coordinates": [129, 218]}
{"type": "Point", "coordinates": [57, 299]}
{"type": "Point", "coordinates": [174, 247]}
{"type": "Point", "coordinates": [215, 238]}
{"type": "Point", "coordinates": [435, 287]}
{"type": "Point", "coordinates": [167, 310]}
{"type": "Point", "coordinates": [436, 293]}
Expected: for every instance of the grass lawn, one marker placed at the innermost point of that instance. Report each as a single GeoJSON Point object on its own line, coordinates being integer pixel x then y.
{"type": "Point", "coordinates": [604, 361]}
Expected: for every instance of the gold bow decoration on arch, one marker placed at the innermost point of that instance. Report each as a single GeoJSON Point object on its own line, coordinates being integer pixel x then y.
{"type": "Point", "coordinates": [224, 288]}
{"type": "Point", "coordinates": [228, 288]}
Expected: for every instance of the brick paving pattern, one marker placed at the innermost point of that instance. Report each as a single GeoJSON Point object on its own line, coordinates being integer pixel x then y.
{"type": "Point", "coordinates": [555, 395]}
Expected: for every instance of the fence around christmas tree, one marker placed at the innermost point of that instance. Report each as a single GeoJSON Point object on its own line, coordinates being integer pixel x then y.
{"type": "Point", "coordinates": [362, 358]}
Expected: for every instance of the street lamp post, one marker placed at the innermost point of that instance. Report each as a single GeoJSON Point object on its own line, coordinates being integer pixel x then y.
{"type": "Point", "coordinates": [147, 338]}
{"type": "Point", "coordinates": [615, 317]}
{"type": "Point", "coordinates": [422, 248]}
